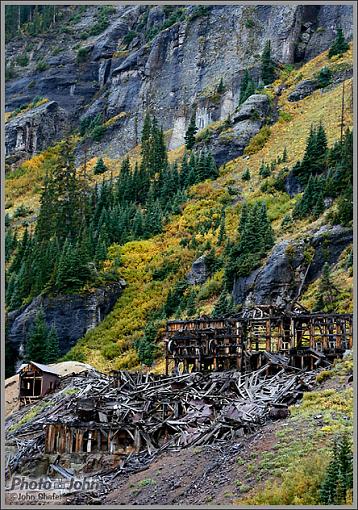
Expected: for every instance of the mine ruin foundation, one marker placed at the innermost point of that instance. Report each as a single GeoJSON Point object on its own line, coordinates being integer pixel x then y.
{"type": "Point", "coordinates": [244, 343]}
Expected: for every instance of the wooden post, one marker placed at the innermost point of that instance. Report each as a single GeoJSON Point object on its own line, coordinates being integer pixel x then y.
{"type": "Point", "coordinates": [268, 335]}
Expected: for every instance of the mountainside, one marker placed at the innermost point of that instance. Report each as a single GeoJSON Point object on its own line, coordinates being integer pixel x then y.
{"type": "Point", "coordinates": [165, 60]}
{"type": "Point", "coordinates": [257, 210]}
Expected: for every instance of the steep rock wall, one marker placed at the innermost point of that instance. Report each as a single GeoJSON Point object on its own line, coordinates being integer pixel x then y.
{"type": "Point", "coordinates": [71, 314]}
{"type": "Point", "coordinates": [175, 73]}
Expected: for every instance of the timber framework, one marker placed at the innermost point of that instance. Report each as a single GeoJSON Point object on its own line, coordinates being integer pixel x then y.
{"type": "Point", "coordinates": [245, 342]}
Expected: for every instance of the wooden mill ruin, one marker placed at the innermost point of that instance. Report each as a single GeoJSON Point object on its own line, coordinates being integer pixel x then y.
{"type": "Point", "coordinates": [243, 343]}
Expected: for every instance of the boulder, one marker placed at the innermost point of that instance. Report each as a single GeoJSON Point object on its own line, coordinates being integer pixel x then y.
{"type": "Point", "coordinates": [71, 314]}
{"type": "Point", "coordinates": [198, 273]}
{"type": "Point", "coordinates": [303, 89]}
{"type": "Point", "coordinates": [256, 107]}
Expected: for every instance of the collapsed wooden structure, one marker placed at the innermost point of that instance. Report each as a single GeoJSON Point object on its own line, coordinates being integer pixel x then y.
{"type": "Point", "coordinates": [207, 344]}
{"type": "Point", "coordinates": [138, 416]}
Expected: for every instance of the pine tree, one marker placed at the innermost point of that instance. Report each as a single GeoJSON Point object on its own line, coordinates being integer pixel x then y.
{"type": "Point", "coordinates": [146, 346]}
{"type": "Point", "coordinates": [36, 343]}
{"type": "Point", "coordinates": [246, 176]}
{"type": "Point", "coordinates": [191, 305]}
{"type": "Point", "coordinates": [52, 346]}
{"type": "Point", "coordinates": [338, 480]}
{"type": "Point", "coordinates": [99, 167]}
{"type": "Point", "coordinates": [264, 228]}
{"type": "Point", "coordinates": [339, 45]}
{"type": "Point", "coordinates": [243, 85]}
{"type": "Point", "coordinates": [267, 65]}
{"type": "Point", "coordinates": [221, 306]}
{"type": "Point", "coordinates": [324, 77]}
{"type": "Point", "coordinates": [248, 91]}
{"type": "Point", "coordinates": [264, 170]}
{"type": "Point", "coordinates": [319, 206]}
{"type": "Point", "coordinates": [327, 292]}
{"type": "Point", "coordinates": [328, 490]}
{"type": "Point", "coordinates": [190, 134]}
{"type": "Point", "coordinates": [284, 155]}
{"type": "Point", "coordinates": [145, 140]}
{"type": "Point", "coordinates": [221, 88]}
{"type": "Point", "coordinates": [315, 157]}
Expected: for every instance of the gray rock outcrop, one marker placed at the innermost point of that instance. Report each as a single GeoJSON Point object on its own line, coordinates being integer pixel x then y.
{"type": "Point", "coordinates": [291, 266]}
{"type": "Point", "coordinates": [246, 123]}
{"type": "Point", "coordinates": [303, 89]}
{"type": "Point", "coordinates": [34, 130]}
{"type": "Point", "coordinates": [71, 314]}
{"type": "Point", "coordinates": [199, 272]}
{"type": "Point", "coordinates": [171, 75]}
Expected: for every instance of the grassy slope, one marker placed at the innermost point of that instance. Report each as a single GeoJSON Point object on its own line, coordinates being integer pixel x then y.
{"type": "Point", "coordinates": [143, 294]}
{"type": "Point", "coordinates": [291, 471]}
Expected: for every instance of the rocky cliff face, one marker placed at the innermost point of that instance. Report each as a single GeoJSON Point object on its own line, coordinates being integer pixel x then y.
{"type": "Point", "coordinates": [172, 75]}
{"type": "Point", "coordinates": [291, 266]}
{"type": "Point", "coordinates": [30, 132]}
{"type": "Point", "coordinates": [72, 315]}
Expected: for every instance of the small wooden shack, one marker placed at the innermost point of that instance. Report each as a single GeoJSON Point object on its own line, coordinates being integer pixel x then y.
{"type": "Point", "coordinates": [35, 381]}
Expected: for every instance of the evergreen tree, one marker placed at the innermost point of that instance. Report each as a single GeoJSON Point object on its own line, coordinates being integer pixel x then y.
{"type": "Point", "coordinates": [221, 306]}
{"type": "Point", "coordinates": [191, 305]}
{"type": "Point", "coordinates": [255, 239]}
{"type": "Point", "coordinates": [23, 246]}
{"type": "Point", "coordinates": [146, 346]}
{"type": "Point", "coordinates": [221, 88]}
{"type": "Point", "coordinates": [99, 167]}
{"type": "Point", "coordinates": [247, 87]}
{"type": "Point", "coordinates": [339, 45]}
{"type": "Point", "coordinates": [338, 480]}
{"type": "Point", "coordinates": [190, 134]}
{"type": "Point", "coordinates": [327, 292]}
{"type": "Point", "coordinates": [264, 228]}
{"type": "Point", "coordinates": [246, 176]}
{"type": "Point", "coordinates": [284, 155]}
{"type": "Point", "coordinates": [319, 206]}
{"type": "Point", "coordinates": [36, 343]}
{"type": "Point", "coordinates": [267, 65]}
{"type": "Point", "coordinates": [52, 346]}
{"type": "Point", "coordinates": [324, 77]}
{"type": "Point", "coordinates": [264, 170]}
{"type": "Point", "coordinates": [315, 158]}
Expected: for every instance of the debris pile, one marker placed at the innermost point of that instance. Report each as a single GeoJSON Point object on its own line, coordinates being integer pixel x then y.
{"type": "Point", "coordinates": [137, 416]}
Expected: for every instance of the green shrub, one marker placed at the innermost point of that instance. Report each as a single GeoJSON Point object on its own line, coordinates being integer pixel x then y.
{"type": "Point", "coordinates": [249, 23]}
{"type": "Point", "coordinates": [22, 60]}
{"type": "Point", "coordinates": [111, 351]}
{"type": "Point", "coordinates": [246, 176]}
{"type": "Point", "coordinates": [324, 77]}
{"type": "Point", "coordinates": [21, 211]}
{"type": "Point", "coordinates": [284, 116]}
{"type": "Point", "coordinates": [323, 376]}
{"type": "Point", "coordinates": [41, 66]}
{"type": "Point", "coordinates": [258, 141]}
{"type": "Point", "coordinates": [97, 133]}
{"type": "Point", "coordinates": [199, 11]}
{"type": "Point", "coordinates": [128, 38]}
{"type": "Point", "coordinates": [9, 72]}
{"type": "Point", "coordinates": [82, 55]}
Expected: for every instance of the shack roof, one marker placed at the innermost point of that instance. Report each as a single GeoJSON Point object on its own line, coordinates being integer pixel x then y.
{"type": "Point", "coordinates": [40, 366]}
